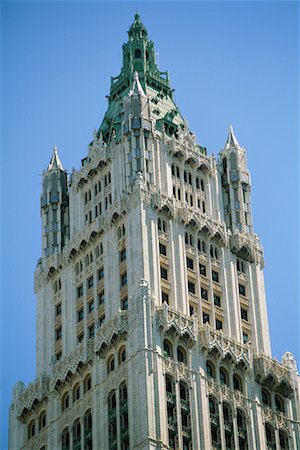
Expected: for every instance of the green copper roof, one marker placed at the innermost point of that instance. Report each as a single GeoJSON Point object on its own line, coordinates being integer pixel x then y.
{"type": "Point", "coordinates": [139, 56]}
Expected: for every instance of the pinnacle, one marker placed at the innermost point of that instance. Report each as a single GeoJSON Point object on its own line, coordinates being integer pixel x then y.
{"type": "Point", "coordinates": [231, 139]}
{"type": "Point", "coordinates": [136, 86]}
{"type": "Point", "coordinates": [55, 161]}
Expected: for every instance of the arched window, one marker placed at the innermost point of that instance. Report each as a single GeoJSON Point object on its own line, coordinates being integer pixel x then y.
{"type": "Point", "coordinates": [65, 440]}
{"type": "Point", "coordinates": [169, 384]}
{"type": "Point", "coordinates": [111, 364]}
{"type": "Point", "coordinates": [210, 370]}
{"type": "Point", "coordinates": [42, 420]}
{"type": "Point", "coordinates": [237, 384]}
{"type": "Point", "coordinates": [265, 397]}
{"type": "Point", "coordinates": [173, 170]}
{"type": "Point", "coordinates": [185, 176]}
{"type": "Point", "coordinates": [167, 349]}
{"type": "Point", "coordinates": [223, 376]}
{"type": "Point", "coordinates": [76, 435]}
{"type": "Point", "coordinates": [177, 172]}
{"type": "Point", "coordinates": [76, 392]}
{"type": "Point", "coordinates": [270, 436]}
{"type": "Point", "coordinates": [181, 355]}
{"type": "Point", "coordinates": [191, 240]}
{"type": "Point", "coordinates": [283, 440]}
{"type": "Point", "coordinates": [202, 185]}
{"type": "Point", "coordinates": [197, 183]}
{"type": "Point", "coordinates": [183, 390]}
{"type": "Point", "coordinates": [279, 403]}
{"type": "Point", "coordinates": [186, 238]}
{"type": "Point", "coordinates": [122, 355]}
{"type": "Point", "coordinates": [112, 419]}
{"type": "Point", "coordinates": [31, 429]}
{"type": "Point", "coordinates": [137, 53]}
{"type": "Point", "coordinates": [213, 409]}
{"type": "Point", "coordinates": [65, 401]}
{"type": "Point", "coordinates": [112, 400]}
{"type": "Point", "coordinates": [123, 392]}
{"type": "Point", "coordinates": [88, 431]}
{"type": "Point", "coordinates": [87, 382]}
{"type": "Point", "coordinates": [228, 426]}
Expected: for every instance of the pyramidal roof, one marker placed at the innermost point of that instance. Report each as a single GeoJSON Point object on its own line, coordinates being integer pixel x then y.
{"type": "Point", "coordinates": [136, 86]}
{"type": "Point", "coordinates": [55, 161]}
{"type": "Point", "coordinates": [231, 139]}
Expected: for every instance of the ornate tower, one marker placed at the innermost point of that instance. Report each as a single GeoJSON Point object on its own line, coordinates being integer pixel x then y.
{"type": "Point", "coordinates": [152, 328]}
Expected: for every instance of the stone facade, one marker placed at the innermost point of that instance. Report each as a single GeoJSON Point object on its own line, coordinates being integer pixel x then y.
{"type": "Point", "coordinates": [152, 328]}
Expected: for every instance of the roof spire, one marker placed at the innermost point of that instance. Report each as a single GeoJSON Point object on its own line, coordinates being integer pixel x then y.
{"type": "Point", "coordinates": [136, 86]}
{"type": "Point", "coordinates": [231, 139]}
{"type": "Point", "coordinates": [55, 161]}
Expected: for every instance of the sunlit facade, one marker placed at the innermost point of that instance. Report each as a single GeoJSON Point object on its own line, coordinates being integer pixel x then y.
{"type": "Point", "coordinates": [152, 327]}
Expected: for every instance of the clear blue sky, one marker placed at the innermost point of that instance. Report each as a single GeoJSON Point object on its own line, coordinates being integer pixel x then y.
{"type": "Point", "coordinates": [229, 62]}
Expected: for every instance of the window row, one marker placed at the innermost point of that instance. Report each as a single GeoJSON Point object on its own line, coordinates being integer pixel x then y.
{"type": "Point", "coordinates": [223, 377]}
{"type": "Point", "coordinates": [97, 188]}
{"type": "Point", "coordinates": [37, 424]}
{"type": "Point", "coordinates": [77, 431]}
{"type": "Point", "coordinates": [187, 177]}
{"type": "Point", "coordinates": [76, 392]}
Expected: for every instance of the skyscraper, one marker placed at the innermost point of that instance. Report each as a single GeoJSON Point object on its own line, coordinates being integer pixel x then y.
{"type": "Point", "coordinates": [152, 329]}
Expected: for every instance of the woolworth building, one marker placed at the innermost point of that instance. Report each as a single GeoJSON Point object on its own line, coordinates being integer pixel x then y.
{"type": "Point", "coordinates": [152, 327]}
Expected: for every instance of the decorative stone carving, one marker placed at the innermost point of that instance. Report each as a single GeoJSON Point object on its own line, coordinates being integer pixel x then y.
{"type": "Point", "coordinates": [226, 346]}
{"type": "Point", "coordinates": [114, 330]}
{"type": "Point", "coordinates": [269, 372]}
{"type": "Point", "coordinates": [35, 392]}
{"type": "Point", "coordinates": [171, 321]}
{"type": "Point", "coordinates": [247, 246]}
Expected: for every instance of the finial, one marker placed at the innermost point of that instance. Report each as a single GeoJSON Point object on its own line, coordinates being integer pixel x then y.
{"type": "Point", "coordinates": [231, 139]}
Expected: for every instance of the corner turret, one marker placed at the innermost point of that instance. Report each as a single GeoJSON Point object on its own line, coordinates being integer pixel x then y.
{"type": "Point", "coordinates": [54, 206]}
{"type": "Point", "coordinates": [236, 186]}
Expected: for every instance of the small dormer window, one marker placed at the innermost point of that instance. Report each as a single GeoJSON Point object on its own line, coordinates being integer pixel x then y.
{"type": "Point", "coordinates": [137, 53]}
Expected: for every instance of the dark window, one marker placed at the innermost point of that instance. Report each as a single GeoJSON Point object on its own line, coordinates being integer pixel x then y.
{"type": "Point", "coordinates": [80, 291]}
{"type": "Point", "coordinates": [124, 303]}
{"type": "Point", "coordinates": [219, 324]}
{"type": "Point", "coordinates": [190, 263]}
{"type": "Point", "coordinates": [202, 269]}
{"type": "Point", "coordinates": [101, 273]}
{"type": "Point", "coordinates": [181, 355]}
{"type": "Point", "coordinates": [237, 383]}
{"type": "Point", "coordinates": [90, 282]}
{"type": "Point", "coordinates": [58, 334]}
{"type": "Point", "coordinates": [124, 279]}
{"type": "Point", "coordinates": [215, 276]}
{"type": "Point", "coordinates": [205, 318]}
{"type": "Point", "coordinates": [80, 315]}
{"type": "Point", "coordinates": [204, 294]}
{"type": "Point", "coordinates": [101, 298]}
{"type": "Point", "coordinates": [242, 290]}
{"type": "Point", "coordinates": [137, 53]}
{"type": "Point", "coordinates": [162, 249]}
{"type": "Point", "coordinates": [91, 331]}
{"type": "Point", "coordinates": [164, 297]}
{"type": "Point", "coordinates": [91, 306]}
{"type": "Point", "coordinates": [123, 255]}
{"type": "Point", "coordinates": [244, 314]}
{"type": "Point", "coordinates": [223, 377]}
{"type": "Point", "coordinates": [101, 321]}
{"type": "Point", "coordinates": [191, 287]}
{"type": "Point", "coordinates": [217, 300]}
{"type": "Point", "coordinates": [209, 370]}
{"type": "Point", "coordinates": [163, 273]}
{"type": "Point", "coordinates": [58, 309]}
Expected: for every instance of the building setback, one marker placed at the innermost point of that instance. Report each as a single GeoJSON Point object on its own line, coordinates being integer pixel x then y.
{"type": "Point", "coordinates": [152, 327]}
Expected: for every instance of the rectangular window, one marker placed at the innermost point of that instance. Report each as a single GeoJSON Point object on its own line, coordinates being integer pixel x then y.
{"type": "Point", "coordinates": [162, 249]}
{"type": "Point", "coordinates": [219, 324]}
{"type": "Point", "coordinates": [124, 279]}
{"type": "Point", "coordinates": [91, 331]}
{"type": "Point", "coordinates": [202, 269]}
{"type": "Point", "coordinates": [80, 338]}
{"type": "Point", "coordinates": [242, 290]}
{"type": "Point", "coordinates": [80, 315]}
{"type": "Point", "coordinates": [58, 309]}
{"type": "Point", "coordinates": [90, 282]}
{"type": "Point", "coordinates": [58, 333]}
{"type": "Point", "coordinates": [100, 273]}
{"type": "Point", "coordinates": [124, 303]}
{"type": "Point", "coordinates": [91, 306]}
{"type": "Point", "coordinates": [244, 314]}
{"type": "Point", "coordinates": [179, 194]}
{"type": "Point", "coordinates": [96, 211]}
{"type": "Point", "coordinates": [123, 255]}
{"type": "Point", "coordinates": [80, 291]}
{"type": "Point", "coordinates": [245, 338]}
{"type": "Point", "coordinates": [204, 294]}
{"type": "Point", "coordinates": [205, 318]}
{"type": "Point", "coordinates": [58, 357]}
{"type": "Point", "coordinates": [164, 297]}
{"type": "Point", "coordinates": [191, 287]}
{"type": "Point", "coordinates": [215, 276]}
{"type": "Point", "coordinates": [192, 310]}
{"type": "Point", "coordinates": [101, 298]}
{"type": "Point", "coordinates": [190, 263]}
{"type": "Point", "coordinates": [163, 273]}
{"type": "Point", "coordinates": [217, 300]}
